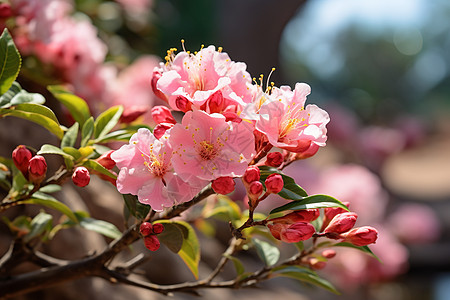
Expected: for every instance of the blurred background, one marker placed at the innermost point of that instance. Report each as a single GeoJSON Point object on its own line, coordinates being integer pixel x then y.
{"type": "Point", "coordinates": [381, 68]}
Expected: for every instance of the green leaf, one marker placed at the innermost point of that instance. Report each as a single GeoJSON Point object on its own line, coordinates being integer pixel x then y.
{"type": "Point", "coordinates": [77, 107]}
{"type": "Point", "coordinates": [94, 165]}
{"type": "Point", "coordinates": [15, 95]}
{"type": "Point", "coordinates": [10, 61]}
{"type": "Point", "coordinates": [39, 225]}
{"type": "Point", "coordinates": [70, 137]}
{"type": "Point", "coordinates": [172, 236]}
{"type": "Point", "coordinates": [38, 114]}
{"type": "Point", "coordinates": [364, 249]}
{"type": "Point", "coordinates": [87, 131]}
{"type": "Point", "coordinates": [190, 250]}
{"type": "Point", "coordinates": [50, 149]}
{"type": "Point", "coordinates": [106, 121]}
{"type": "Point", "coordinates": [48, 201]}
{"type": "Point", "coordinates": [311, 202]}
{"type": "Point", "coordinates": [291, 190]}
{"type": "Point", "coordinates": [51, 188]}
{"type": "Point", "coordinates": [239, 267]}
{"type": "Point", "coordinates": [137, 209]}
{"type": "Point", "coordinates": [100, 226]}
{"type": "Point", "coordinates": [268, 253]}
{"type": "Point", "coordinates": [75, 153]}
{"type": "Point", "coordinates": [225, 209]}
{"type": "Point", "coordinates": [305, 275]}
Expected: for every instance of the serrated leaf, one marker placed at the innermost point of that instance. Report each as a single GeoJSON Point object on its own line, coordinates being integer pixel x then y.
{"type": "Point", "coordinates": [172, 236]}
{"type": "Point", "coordinates": [40, 223]}
{"type": "Point", "coordinates": [364, 249]}
{"type": "Point", "coordinates": [291, 190]}
{"type": "Point", "coordinates": [100, 226]}
{"type": "Point", "coordinates": [87, 131]}
{"type": "Point", "coordinates": [70, 137]}
{"type": "Point", "coordinates": [77, 107]}
{"type": "Point", "coordinates": [268, 253]}
{"type": "Point", "coordinates": [49, 201]}
{"type": "Point", "coordinates": [38, 114]}
{"type": "Point", "coordinates": [50, 149]}
{"type": "Point", "coordinates": [10, 61]}
{"type": "Point", "coordinates": [137, 209]}
{"type": "Point", "coordinates": [311, 202]}
{"type": "Point", "coordinates": [305, 275]}
{"type": "Point", "coordinates": [94, 165]}
{"type": "Point", "coordinates": [106, 121]}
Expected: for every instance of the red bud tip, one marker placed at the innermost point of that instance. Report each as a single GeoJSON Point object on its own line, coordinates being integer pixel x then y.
{"type": "Point", "coordinates": [81, 177]}
{"type": "Point", "coordinates": [21, 157]}
{"type": "Point", "coordinates": [151, 242]}
{"type": "Point", "coordinates": [251, 174]}
{"type": "Point", "coordinates": [274, 183]}
{"type": "Point", "coordinates": [274, 159]}
{"type": "Point", "coordinates": [223, 185]}
{"type": "Point", "coordinates": [106, 161]}
{"type": "Point", "coordinates": [361, 236]}
{"type": "Point", "coordinates": [160, 129]}
{"type": "Point", "coordinates": [146, 228]}
{"type": "Point", "coordinates": [329, 253]}
{"type": "Point", "coordinates": [158, 228]}
{"type": "Point", "coordinates": [162, 114]}
{"type": "Point", "coordinates": [37, 169]}
{"type": "Point", "coordinates": [183, 104]}
{"type": "Point", "coordinates": [342, 223]}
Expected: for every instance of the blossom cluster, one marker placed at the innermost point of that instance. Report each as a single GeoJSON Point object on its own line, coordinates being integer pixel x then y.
{"type": "Point", "coordinates": [228, 123]}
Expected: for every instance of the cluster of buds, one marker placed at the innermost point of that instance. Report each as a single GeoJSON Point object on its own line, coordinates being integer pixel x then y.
{"type": "Point", "coordinates": [251, 179]}
{"type": "Point", "coordinates": [81, 175]}
{"type": "Point", "coordinates": [33, 168]}
{"type": "Point", "coordinates": [149, 233]}
{"type": "Point", "coordinates": [295, 226]}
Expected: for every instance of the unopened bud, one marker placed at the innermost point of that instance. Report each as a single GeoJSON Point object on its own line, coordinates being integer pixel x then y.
{"type": "Point", "coordinates": [255, 189]}
{"type": "Point", "coordinates": [130, 114]}
{"type": "Point", "coordinates": [316, 264]}
{"type": "Point", "coordinates": [330, 212]}
{"type": "Point", "coordinates": [329, 253]}
{"type": "Point", "coordinates": [183, 104]}
{"type": "Point", "coordinates": [158, 228]}
{"type": "Point", "coordinates": [342, 223]}
{"type": "Point", "coordinates": [151, 242]}
{"type": "Point", "coordinates": [37, 169]}
{"type": "Point", "coordinates": [274, 183]}
{"type": "Point", "coordinates": [81, 177]}
{"type": "Point", "coordinates": [162, 114]}
{"type": "Point", "coordinates": [251, 174]}
{"type": "Point", "coordinates": [21, 157]}
{"type": "Point", "coordinates": [5, 10]}
{"type": "Point", "coordinates": [274, 159]}
{"type": "Point", "coordinates": [304, 215]}
{"type": "Point", "coordinates": [231, 116]}
{"type": "Point", "coordinates": [223, 185]}
{"type": "Point", "coordinates": [155, 77]}
{"type": "Point", "coordinates": [361, 236]}
{"type": "Point", "coordinates": [146, 228]}
{"type": "Point", "coordinates": [106, 161]}
{"type": "Point", "coordinates": [292, 233]}
{"type": "Point", "coordinates": [215, 102]}
{"type": "Point", "coordinates": [161, 128]}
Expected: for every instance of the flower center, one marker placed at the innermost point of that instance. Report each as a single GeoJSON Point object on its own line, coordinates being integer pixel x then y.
{"type": "Point", "coordinates": [207, 151]}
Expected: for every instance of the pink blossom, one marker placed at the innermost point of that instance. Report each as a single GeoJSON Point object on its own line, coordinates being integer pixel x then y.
{"type": "Point", "coordinates": [146, 171]}
{"type": "Point", "coordinates": [207, 147]}
{"type": "Point", "coordinates": [288, 124]}
{"type": "Point", "coordinates": [206, 75]}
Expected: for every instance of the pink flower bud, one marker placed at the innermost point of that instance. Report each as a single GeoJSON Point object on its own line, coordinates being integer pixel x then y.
{"type": "Point", "coordinates": [274, 159]}
{"type": "Point", "coordinates": [329, 253]}
{"type": "Point", "coordinates": [81, 177]}
{"type": "Point", "coordinates": [215, 102]}
{"type": "Point", "coordinates": [361, 236]}
{"type": "Point", "coordinates": [146, 228]}
{"type": "Point", "coordinates": [305, 215]}
{"type": "Point", "coordinates": [5, 10]}
{"type": "Point", "coordinates": [330, 212]}
{"type": "Point", "coordinates": [160, 129]}
{"type": "Point", "coordinates": [223, 185]}
{"type": "Point", "coordinates": [21, 157]}
{"type": "Point", "coordinates": [231, 116]}
{"type": "Point", "coordinates": [155, 77]}
{"type": "Point", "coordinates": [162, 114]}
{"type": "Point", "coordinates": [251, 174]}
{"type": "Point", "coordinates": [342, 223]}
{"type": "Point", "coordinates": [292, 233]}
{"type": "Point", "coordinates": [310, 151]}
{"type": "Point", "coordinates": [316, 264]}
{"type": "Point", "coordinates": [255, 189]}
{"type": "Point", "coordinates": [274, 183]}
{"type": "Point", "coordinates": [106, 161]}
{"type": "Point", "coordinates": [130, 114]}
{"type": "Point", "coordinates": [158, 228]}
{"type": "Point", "coordinates": [37, 169]}
{"type": "Point", "coordinates": [151, 242]}
{"type": "Point", "coordinates": [183, 104]}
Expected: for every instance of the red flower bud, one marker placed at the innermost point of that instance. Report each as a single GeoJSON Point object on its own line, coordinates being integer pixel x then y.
{"type": "Point", "coordinates": [81, 176]}
{"type": "Point", "coordinates": [106, 161]}
{"type": "Point", "coordinates": [37, 169]}
{"type": "Point", "coordinates": [330, 212]}
{"type": "Point", "coordinates": [158, 228]}
{"type": "Point", "coordinates": [21, 157]}
{"type": "Point", "coordinates": [292, 233]}
{"type": "Point", "coordinates": [310, 151]}
{"type": "Point", "coordinates": [161, 128]}
{"type": "Point", "coordinates": [146, 228]}
{"type": "Point", "coordinates": [151, 242]}
{"type": "Point", "coordinates": [251, 174]}
{"type": "Point", "coordinates": [183, 104]}
{"type": "Point", "coordinates": [223, 185]}
{"type": "Point", "coordinates": [255, 189]}
{"type": "Point", "coordinates": [5, 10]}
{"type": "Point", "coordinates": [274, 159]}
{"type": "Point", "coordinates": [274, 183]}
{"type": "Point", "coordinates": [155, 77]}
{"type": "Point", "coordinates": [304, 215]}
{"type": "Point", "coordinates": [130, 114]}
{"type": "Point", "coordinates": [162, 114]}
{"type": "Point", "coordinates": [342, 223]}
{"type": "Point", "coordinates": [329, 253]}
{"type": "Point", "coordinates": [215, 102]}
{"type": "Point", "coordinates": [316, 264]}
{"type": "Point", "coordinates": [361, 236]}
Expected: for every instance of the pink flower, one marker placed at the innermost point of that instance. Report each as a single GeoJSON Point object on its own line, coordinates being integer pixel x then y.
{"type": "Point", "coordinates": [146, 171]}
{"type": "Point", "coordinates": [206, 75]}
{"type": "Point", "coordinates": [207, 147]}
{"type": "Point", "coordinates": [288, 124]}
